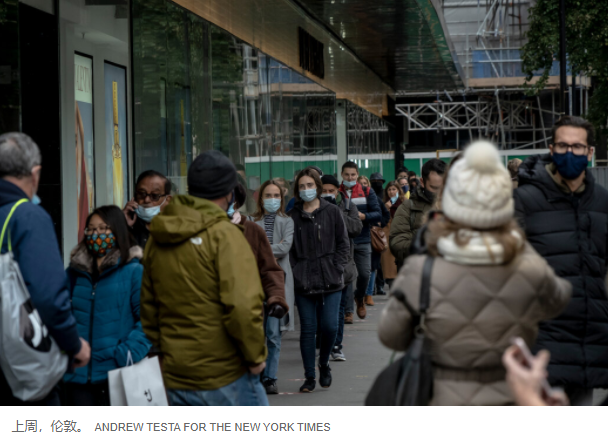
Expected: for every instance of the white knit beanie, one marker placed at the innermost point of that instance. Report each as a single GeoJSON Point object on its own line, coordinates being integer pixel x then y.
{"type": "Point", "coordinates": [478, 191]}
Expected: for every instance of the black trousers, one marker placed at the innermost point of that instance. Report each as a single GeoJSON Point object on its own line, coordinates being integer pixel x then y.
{"type": "Point", "coordinates": [86, 394]}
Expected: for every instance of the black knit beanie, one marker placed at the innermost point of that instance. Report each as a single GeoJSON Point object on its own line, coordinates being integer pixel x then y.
{"type": "Point", "coordinates": [211, 176]}
{"type": "Point", "coordinates": [329, 179]}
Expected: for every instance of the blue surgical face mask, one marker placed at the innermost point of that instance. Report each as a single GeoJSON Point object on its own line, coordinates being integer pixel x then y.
{"type": "Point", "coordinates": [394, 198]}
{"type": "Point", "coordinates": [570, 166]}
{"type": "Point", "coordinates": [146, 214]}
{"type": "Point", "coordinates": [308, 195]}
{"type": "Point", "coordinates": [230, 211]}
{"type": "Point", "coordinates": [349, 184]}
{"type": "Point", "coordinates": [405, 189]}
{"type": "Point", "coordinates": [36, 200]}
{"type": "Point", "coordinates": [272, 205]}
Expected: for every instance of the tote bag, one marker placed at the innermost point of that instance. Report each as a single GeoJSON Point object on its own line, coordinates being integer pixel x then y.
{"type": "Point", "coordinates": [139, 384]}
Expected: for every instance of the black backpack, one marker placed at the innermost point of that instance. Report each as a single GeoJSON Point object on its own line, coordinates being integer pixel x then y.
{"type": "Point", "coordinates": [409, 380]}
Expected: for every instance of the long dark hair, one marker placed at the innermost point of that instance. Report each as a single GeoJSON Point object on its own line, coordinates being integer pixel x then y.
{"type": "Point", "coordinates": [114, 217]}
{"type": "Point", "coordinates": [311, 173]}
{"type": "Point", "coordinates": [397, 186]}
{"type": "Point", "coordinates": [259, 213]}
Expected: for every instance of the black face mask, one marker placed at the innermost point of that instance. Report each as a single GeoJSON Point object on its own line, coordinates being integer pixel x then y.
{"type": "Point", "coordinates": [330, 199]}
{"type": "Point", "coordinates": [377, 187]}
{"type": "Point", "coordinates": [430, 196]}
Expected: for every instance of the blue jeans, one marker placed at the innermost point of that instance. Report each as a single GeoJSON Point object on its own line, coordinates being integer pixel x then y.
{"type": "Point", "coordinates": [363, 261]}
{"type": "Point", "coordinates": [273, 341]}
{"type": "Point", "coordinates": [372, 282]}
{"type": "Point", "coordinates": [246, 391]}
{"type": "Point", "coordinates": [343, 300]}
{"type": "Point", "coordinates": [329, 307]}
{"type": "Point", "coordinates": [350, 300]}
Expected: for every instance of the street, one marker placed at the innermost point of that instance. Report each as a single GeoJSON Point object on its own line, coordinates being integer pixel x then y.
{"type": "Point", "coordinates": [352, 379]}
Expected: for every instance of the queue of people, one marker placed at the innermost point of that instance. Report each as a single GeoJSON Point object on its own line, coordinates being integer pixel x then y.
{"type": "Point", "coordinates": [524, 256]}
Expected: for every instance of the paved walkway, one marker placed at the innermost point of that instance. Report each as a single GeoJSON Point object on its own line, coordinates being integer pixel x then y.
{"type": "Point", "coordinates": [352, 379]}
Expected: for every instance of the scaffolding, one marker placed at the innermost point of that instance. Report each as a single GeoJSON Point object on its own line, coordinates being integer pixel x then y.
{"type": "Point", "coordinates": [501, 115]}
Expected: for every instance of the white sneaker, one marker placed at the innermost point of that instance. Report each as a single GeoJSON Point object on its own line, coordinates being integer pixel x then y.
{"type": "Point", "coordinates": [337, 355]}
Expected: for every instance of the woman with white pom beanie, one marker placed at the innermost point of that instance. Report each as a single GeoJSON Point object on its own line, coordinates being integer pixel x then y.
{"type": "Point", "coordinates": [487, 284]}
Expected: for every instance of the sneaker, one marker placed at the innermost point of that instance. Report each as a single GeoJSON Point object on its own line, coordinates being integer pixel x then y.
{"type": "Point", "coordinates": [337, 355]}
{"type": "Point", "coordinates": [361, 310]}
{"type": "Point", "coordinates": [380, 292]}
{"type": "Point", "coordinates": [348, 318]}
{"type": "Point", "coordinates": [325, 376]}
{"type": "Point", "coordinates": [308, 386]}
{"type": "Point", "coordinates": [271, 386]}
{"type": "Point", "coordinates": [369, 300]}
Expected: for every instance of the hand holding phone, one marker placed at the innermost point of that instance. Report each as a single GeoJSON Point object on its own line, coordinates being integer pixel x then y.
{"type": "Point", "coordinates": [526, 376]}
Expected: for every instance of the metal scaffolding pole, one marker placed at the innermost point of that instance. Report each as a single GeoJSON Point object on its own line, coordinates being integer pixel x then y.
{"type": "Point", "coordinates": [563, 83]}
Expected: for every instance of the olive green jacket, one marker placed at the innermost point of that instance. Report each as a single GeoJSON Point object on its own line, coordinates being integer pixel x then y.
{"type": "Point", "coordinates": [201, 296]}
{"type": "Point", "coordinates": [402, 232]}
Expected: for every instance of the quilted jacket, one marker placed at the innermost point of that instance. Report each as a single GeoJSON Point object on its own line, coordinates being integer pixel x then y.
{"type": "Point", "coordinates": [473, 314]}
{"type": "Point", "coordinates": [107, 312]}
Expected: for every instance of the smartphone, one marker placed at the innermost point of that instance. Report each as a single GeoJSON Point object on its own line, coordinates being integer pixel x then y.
{"type": "Point", "coordinates": [527, 362]}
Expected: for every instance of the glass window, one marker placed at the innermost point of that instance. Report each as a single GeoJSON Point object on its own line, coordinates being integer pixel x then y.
{"type": "Point", "coordinates": [197, 87]}
{"type": "Point", "coordinates": [370, 142]}
{"type": "Point", "coordinates": [171, 86]}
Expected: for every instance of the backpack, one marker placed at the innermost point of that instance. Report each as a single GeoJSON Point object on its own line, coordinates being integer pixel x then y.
{"type": "Point", "coordinates": [30, 359]}
{"type": "Point", "coordinates": [409, 380]}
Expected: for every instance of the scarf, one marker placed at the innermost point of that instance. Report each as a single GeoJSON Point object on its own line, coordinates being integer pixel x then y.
{"type": "Point", "coordinates": [482, 249]}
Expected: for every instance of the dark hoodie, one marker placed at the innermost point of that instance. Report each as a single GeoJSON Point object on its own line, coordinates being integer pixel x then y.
{"type": "Point", "coordinates": [36, 251]}
{"type": "Point", "coordinates": [570, 231]}
{"type": "Point", "coordinates": [320, 249]}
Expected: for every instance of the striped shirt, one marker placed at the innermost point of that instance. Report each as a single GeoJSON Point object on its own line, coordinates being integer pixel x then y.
{"type": "Point", "coordinates": [269, 225]}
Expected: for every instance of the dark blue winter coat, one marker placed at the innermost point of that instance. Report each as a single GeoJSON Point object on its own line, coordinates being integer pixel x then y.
{"type": "Point", "coordinates": [36, 251]}
{"type": "Point", "coordinates": [107, 312]}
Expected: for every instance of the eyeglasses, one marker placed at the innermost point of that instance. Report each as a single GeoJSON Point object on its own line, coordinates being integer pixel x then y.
{"type": "Point", "coordinates": [141, 196]}
{"type": "Point", "coordinates": [577, 148]}
{"type": "Point", "coordinates": [102, 229]}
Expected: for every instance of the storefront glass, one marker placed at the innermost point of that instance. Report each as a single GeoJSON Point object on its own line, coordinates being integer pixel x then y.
{"type": "Point", "coordinates": [198, 87]}
{"type": "Point", "coordinates": [370, 142]}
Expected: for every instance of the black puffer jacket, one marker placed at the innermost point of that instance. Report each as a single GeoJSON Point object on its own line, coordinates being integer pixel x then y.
{"type": "Point", "coordinates": [320, 249]}
{"type": "Point", "coordinates": [570, 231]}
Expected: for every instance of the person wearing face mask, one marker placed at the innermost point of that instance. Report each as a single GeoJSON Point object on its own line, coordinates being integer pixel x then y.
{"type": "Point", "coordinates": [332, 194]}
{"type": "Point", "coordinates": [202, 298]}
{"type": "Point", "coordinates": [33, 244]}
{"type": "Point", "coordinates": [393, 197]}
{"type": "Point", "coordinates": [271, 274]}
{"type": "Point", "coordinates": [105, 280]}
{"type": "Point", "coordinates": [318, 257]}
{"type": "Point", "coordinates": [370, 214]}
{"type": "Point", "coordinates": [564, 213]}
{"type": "Point", "coordinates": [376, 280]}
{"type": "Point", "coordinates": [275, 230]}
{"type": "Point", "coordinates": [292, 201]}
{"type": "Point", "coordinates": [152, 195]}
{"type": "Point", "coordinates": [404, 185]}
{"type": "Point", "coordinates": [411, 214]}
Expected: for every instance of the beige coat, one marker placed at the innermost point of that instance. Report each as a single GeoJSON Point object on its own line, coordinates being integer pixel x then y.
{"type": "Point", "coordinates": [474, 312]}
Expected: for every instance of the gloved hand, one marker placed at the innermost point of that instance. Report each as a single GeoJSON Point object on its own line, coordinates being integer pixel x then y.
{"type": "Point", "coordinates": [276, 311]}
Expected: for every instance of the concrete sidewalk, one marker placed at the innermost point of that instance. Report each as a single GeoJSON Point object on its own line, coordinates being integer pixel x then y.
{"type": "Point", "coordinates": [352, 379]}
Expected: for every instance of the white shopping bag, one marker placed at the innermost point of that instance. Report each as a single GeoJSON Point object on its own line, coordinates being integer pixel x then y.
{"type": "Point", "coordinates": [138, 384]}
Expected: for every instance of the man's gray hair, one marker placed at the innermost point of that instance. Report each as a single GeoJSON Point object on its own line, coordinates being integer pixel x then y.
{"type": "Point", "coordinates": [18, 155]}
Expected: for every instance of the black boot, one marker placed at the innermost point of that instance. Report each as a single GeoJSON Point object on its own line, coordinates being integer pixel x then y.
{"type": "Point", "coordinates": [308, 386]}
{"type": "Point", "coordinates": [325, 376]}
